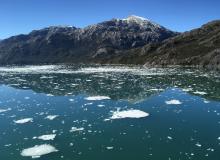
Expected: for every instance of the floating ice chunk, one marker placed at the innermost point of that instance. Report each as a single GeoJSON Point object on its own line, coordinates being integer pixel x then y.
{"type": "Point", "coordinates": [47, 137]}
{"type": "Point", "coordinates": [109, 148]}
{"type": "Point", "coordinates": [51, 117]}
{"type": "Point", "coordinates": [169, 137]}
{"type": "Point", "coordinates": [97, 98]}
{"type": "Point", "coordinates": [38, 150]}
{"type": "Point", "coordinates": [75, 129]}
{"type": "Point", "coordinates": [101, 105]}
{"type": "Point", "coordinates": [198, 145]}
{"type": "Point", "coordinates": [129, 114]}
{"type": "Point", "coordinates": [71, 100]}
{"type": "Point", "coordinates": [187, 89]}
{"type": "Point", "coordinates": [25, 120]}
{"type": "Point", "coordinates": [4, 110]}
{"type": "Point", "coordinates": [218, 138]}
{"type": "Point", "coordinates": [173, 101]}
{"type": "Point", "coordinates": [7, 145]}
{"type": "Point", "coordinates": [200, 93]}
{"type": "Point", "coordinates": [205, 101]}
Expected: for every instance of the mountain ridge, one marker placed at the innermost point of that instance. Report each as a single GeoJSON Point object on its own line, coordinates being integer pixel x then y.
{"type": "Point", "coordinates": [133, 40]}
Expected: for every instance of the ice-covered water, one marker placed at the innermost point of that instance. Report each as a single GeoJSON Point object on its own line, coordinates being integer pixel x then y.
{"type": "Point", "coordinates": [109, 112]}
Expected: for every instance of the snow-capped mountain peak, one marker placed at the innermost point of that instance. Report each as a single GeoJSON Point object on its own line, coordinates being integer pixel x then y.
{"type": "Point", "coordinates": [135, 18]}
{"type": "Point", "coordinates": [140, 20]}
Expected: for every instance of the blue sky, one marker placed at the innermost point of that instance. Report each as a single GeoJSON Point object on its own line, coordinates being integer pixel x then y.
{"type": "Point", "coordinates": [22, 16]}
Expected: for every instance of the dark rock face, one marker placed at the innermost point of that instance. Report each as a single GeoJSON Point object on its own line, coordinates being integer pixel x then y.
{"type": "Point", "coordinates": [198, 47]}
{"type": "Point", "coordinates": [75, 45]}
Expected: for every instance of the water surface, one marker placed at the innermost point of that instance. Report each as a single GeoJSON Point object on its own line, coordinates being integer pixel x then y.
{"type": "Point", "coordinates": [183, 107]}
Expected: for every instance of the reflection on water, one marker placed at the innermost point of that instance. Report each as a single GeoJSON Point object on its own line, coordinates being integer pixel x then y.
{"type": "Point", "coordinates": [67, 110]}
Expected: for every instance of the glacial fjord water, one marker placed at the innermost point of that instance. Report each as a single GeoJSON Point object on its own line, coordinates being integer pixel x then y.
{"type": "Point", "coordinates": [109, 112]}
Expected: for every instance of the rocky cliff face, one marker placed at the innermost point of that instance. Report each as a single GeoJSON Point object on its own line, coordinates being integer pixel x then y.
{"type": "Point", "coordinates": [66, 44]}
{"type": "Point", "coordinates": [199, 47]}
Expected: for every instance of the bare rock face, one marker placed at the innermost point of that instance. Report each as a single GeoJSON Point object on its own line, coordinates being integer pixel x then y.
{"type": "Point", "coordinates": [199, 47]}
{"type": "Point", "coordinates": [67, 44]}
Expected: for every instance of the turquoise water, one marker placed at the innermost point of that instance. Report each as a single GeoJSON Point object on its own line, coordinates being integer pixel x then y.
{"type": "Point", "coordinates": [183, 107]}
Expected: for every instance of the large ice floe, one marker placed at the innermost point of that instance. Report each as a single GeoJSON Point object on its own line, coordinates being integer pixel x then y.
{"type": "Point", "coordinates": [129, 114]}
{"type": "Point", "coordinates": [38, 150]}
{"type": "Point", "coordinates": [173, 101]}
{"type": "Point", "coordinates": [97, 98]}
{"type": "Point", "coordinates": [25, 120]}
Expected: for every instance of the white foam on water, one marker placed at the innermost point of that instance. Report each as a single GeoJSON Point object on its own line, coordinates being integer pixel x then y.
{"type": "Point", "coordinates": [38, 151]}
{"type": "Point", "coordinates": [25, 120]}
{"type": "Point", "coordinates": [47, 137]}
{"type": "Point", "coordinates": [51, 117]}
{"type": "Point", "coordinates": [75, 129]}
{"type": "Point", "coordinates": [129, 114]}
{"type": "Point", "coordinates": [173, 101]}
{"type": "Point", "coordinates": [97, 98]}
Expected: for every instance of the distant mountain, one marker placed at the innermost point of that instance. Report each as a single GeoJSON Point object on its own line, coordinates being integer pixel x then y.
{"type": "Point", "coordinates": [67, 44]}
{"type": "Point", "coordinates": [199, 47]}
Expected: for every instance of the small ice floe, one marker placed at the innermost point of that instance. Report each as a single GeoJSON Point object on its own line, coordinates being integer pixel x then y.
{"type": "Point", "coordinates": [38, 151]}
{"type": "Point", "coordinates": [129, 114]}
{"type": "Point", "coordinates": [187, 89]}
{"type": "Point", "coordinates": [200, 93]}
{"type": "Point", "coordinates": [51, 117]}
{"type": "Point", "coordinates": [46, 137]}
{"type": "Point", "coordinates": [219, 138]}
{"type": "Point", "coordinates": [25, 120]}
{"type": "Point", "coordinates": [170, 138]}
{"type": "Point", "coordinates": [156, 89]}
{"type": "Point", "coordinates": [109, 148]}
{"type": "Point", "coordinates": [71, 100]}
{"type": "Point", "coordinates": [4, 110]}
{"type": "Point", "coordinates": [101, 105]}
{"type": "Point", "coordinates": [97, 98]}
{"type": "Point", "coordinates": [205, 101]}
{"type": "Point", "coordinates": [210, 149]}
{"type": "Point", "coordinates": [75, 129]}
{"type": "Point", "coordinates": [7, 145]}
{"type": "Point", "coordinates": [198, 145]}
{"type": "Point", "coordinates": [173, 101]}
